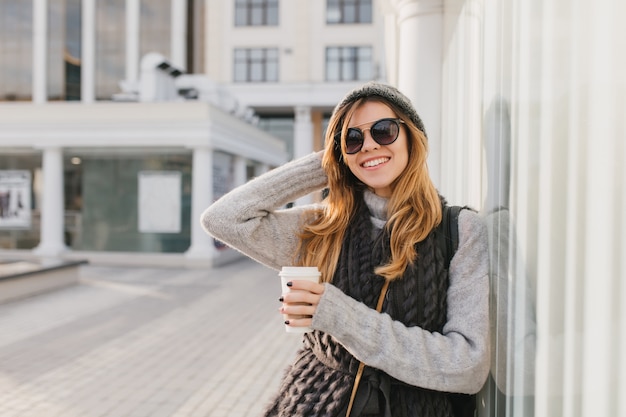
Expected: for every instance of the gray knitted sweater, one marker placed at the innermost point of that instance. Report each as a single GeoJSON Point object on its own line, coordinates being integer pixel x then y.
{"type": "Point", "coordinates": [251, 220]}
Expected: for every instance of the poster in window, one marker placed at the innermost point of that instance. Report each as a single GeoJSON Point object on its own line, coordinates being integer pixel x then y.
{"type": "Point", "coordinates": [159, 203]}
{"type": "Point", "coordinates": [15, 199]}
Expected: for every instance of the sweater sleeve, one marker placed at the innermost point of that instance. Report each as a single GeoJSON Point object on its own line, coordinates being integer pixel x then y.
{"type": "Point", "coordinates": [457, 360]}
{"type": "Point", "coordinates": [252, 218]}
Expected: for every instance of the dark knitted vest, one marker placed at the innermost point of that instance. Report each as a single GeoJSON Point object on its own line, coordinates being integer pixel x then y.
{"type": "Point", "coordinates": [320, 380]}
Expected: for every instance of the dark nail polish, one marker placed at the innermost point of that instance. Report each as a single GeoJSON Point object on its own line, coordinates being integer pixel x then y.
{"type": "Point", "coordinates": [281, 299]}
{"type": "Point", "coordinates": [287, 322]}
{"type": "Point", "coordinates": [289, 284]}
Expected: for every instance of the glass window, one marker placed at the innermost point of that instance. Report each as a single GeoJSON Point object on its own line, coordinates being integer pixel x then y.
{"type": "Point", "coordinates": [281, 126]}
{"type": "Point", "coordinates": [349, 63]}
{"type": "Point", "coordinates": [16, 50]}
{"type": "Point", "coordinates": [64, 50]}
{"type": "Point", "coordinates": [110, 47]}
{"type": "Point", "coordinates": [20, 199]}
{"type": "Point", "coordinates": [348, 11]}
{"type": "Point", "coordinates": [195, 36]}
{"type": "Point", "coordinates": [256, 12]}
{"type": "Point", "coordinates": [155, 31]}
{"type": "Point", "coordinates": [256, 65]}
{"type": "Point", "coordinates": [56, 56]}
{"type": "Point", "coordinates": [102, 200]}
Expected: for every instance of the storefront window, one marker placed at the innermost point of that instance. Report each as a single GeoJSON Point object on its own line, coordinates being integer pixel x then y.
{"type": "Point", "coordinates": [20, 201]}
{"type": "Point", "coordinates": [128, 202]}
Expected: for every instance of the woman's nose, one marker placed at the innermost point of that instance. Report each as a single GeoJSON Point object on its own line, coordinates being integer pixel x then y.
{"type": "Point", "coordinates": [368, 141]}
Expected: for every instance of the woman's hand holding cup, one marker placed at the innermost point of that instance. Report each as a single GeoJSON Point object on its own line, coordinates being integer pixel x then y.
{"type": "Point", "coordinates": [300, 296]}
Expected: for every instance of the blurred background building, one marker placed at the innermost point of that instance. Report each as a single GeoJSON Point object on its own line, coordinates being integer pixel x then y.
{"type": "Point", "coordinates": [121, 120]}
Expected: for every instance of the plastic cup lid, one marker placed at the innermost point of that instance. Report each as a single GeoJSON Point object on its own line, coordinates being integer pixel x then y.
{"type": "Point", "coordinates": [300, 270]}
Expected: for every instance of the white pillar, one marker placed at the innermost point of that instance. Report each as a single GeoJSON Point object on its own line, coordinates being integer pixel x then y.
{"type": "Point", "coordinates": [462, 102]}
{"type": "Point", "coordinates": [240, 176]}
{"type": "Point", "coordinates": [303, 132]}
{"type": "Point", "coordinates": [420, 30]}
{"type": "Point", "coordinates": [132, 40]}
{"type": "Point", "coordinates": [52, 216]}
{"type": "Point", "coordinates": [303, 139]}
{"type": "Point", "coordinates": [179, 34]}
{"type": "Point", "coordinates": [40, 61]}
{"type": "Point", "coordinates": [88, 52]}
{"type": "Point", "coordinates": [202, 247]}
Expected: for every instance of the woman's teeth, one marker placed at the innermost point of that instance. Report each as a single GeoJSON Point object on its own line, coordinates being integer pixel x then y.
{"type": "Point", "coordinates": [374, 162]}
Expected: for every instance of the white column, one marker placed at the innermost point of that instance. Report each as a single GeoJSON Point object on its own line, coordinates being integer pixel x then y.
{"type": "Point", "coordinates": [420, 31]}
{"type": "Point", "coordinates": [88, 52]}
{"type": "Point", "coordinates": [303, 139]}
{"type": "Point", "coordinates": [40, 61]}
{"type": "Point", "coordinates": [460, 137]}
{"type": "Point", "coordinates": [179, 34]}
{"type": "Point", "coordinates": [303, 132]}
{"type": "Point", "coordinates": [132, 40]}
{"type": "Point", "coordinates": [605, 247]}
{"type": "Point", "coordinates": [390, 53]}
{"type": "Point", "coordinates": [52, 216]}
{"type": "Point", "coordinates": [240, 177]}
{"type": "Point", "coordinates": [202, 247]}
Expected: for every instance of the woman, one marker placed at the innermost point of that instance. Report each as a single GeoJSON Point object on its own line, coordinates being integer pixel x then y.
{"type": "Point", "coordinates": [377, 223]}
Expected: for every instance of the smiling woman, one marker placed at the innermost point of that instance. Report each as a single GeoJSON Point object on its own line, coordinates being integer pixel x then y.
{"type": "Point", "coordinates": [374, 237]}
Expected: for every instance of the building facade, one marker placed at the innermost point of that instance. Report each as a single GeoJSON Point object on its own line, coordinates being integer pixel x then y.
{"type": "Point", "coordinates": [280, 67]}
{"type": "Point", "coordinates": [523, 101]}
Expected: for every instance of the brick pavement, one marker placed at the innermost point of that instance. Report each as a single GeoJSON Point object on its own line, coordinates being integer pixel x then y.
{"type": "Point", "coordinates": [139, 342]}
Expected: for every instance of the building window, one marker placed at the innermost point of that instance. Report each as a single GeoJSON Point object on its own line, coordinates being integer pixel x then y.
{"type": "Point", "coordinates": [110, 48]}
{"type": "Point", "coordinates": [349, 63]}
{"type": "Point", "coordinates": [348, 11]}
{"type": "Point", "coordinates": [64, 52]}
{"type": "Point", "coordinates": [256, 65]}
{"type": "Point", "coordinates": [280, 126]}
{"type": "Point", "coordinates": [195, 36]}
{"type": "Point", "coordinates": [155, 28]}
{"type": "Point", "coordinates": [256, 12]}
{"type": "Point", "coordinates": [16, 50]}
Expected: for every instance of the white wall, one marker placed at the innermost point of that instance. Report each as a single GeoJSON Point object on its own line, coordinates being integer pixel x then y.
{"type": "Point", "coordinates": [533, 132]}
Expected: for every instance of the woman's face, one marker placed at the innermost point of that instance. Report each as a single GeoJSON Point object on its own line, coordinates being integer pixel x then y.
{"type": "Point", "coordinates": [377, 166]}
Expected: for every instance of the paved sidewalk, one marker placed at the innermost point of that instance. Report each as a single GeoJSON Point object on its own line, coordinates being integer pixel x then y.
{"type": "Point", "coordinates": [139, 342]}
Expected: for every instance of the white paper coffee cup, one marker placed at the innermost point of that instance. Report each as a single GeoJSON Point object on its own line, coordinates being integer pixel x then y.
{"type": "Point", "coordinates": [292, 273]}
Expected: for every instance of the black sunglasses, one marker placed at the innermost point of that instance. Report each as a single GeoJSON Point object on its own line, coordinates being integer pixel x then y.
{"type": "Point", "coordinates": [383, 131]}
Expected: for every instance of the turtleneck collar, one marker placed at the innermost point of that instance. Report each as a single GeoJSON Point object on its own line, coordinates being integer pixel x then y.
{"type": "Point", "coordinates": [378, 208]}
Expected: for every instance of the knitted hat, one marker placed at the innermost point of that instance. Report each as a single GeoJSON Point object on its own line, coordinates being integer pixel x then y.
{"type": "Point", "coordinates": [388, 93]}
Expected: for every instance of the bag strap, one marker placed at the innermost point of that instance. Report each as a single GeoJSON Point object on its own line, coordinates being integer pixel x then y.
{"type": "Point", "coordinates": [359, 372]}
{"type": "Point", "coordinates": [450, 232]}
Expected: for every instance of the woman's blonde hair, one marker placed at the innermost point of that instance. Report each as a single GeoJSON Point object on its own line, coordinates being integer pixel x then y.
{"type": "Point", "coordinates": [414, 208]}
